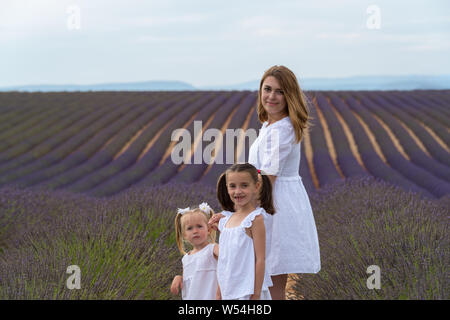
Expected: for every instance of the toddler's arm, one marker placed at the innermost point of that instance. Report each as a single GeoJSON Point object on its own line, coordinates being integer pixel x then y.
{"type": "Point", "coordinates": [177, 284]}
{"type": "Point", "coordinates": [216, 251]}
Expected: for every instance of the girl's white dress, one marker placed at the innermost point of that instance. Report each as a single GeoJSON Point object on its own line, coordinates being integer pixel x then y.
{"type": "Point", "coordinates": [295, 244]}
{"type": "Point", "coordinates": [199, 275]}
{"type": "Point", "coordinates": [236, 265]}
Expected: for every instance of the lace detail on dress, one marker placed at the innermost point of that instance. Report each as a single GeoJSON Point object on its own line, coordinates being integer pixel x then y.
{"type": "Point", "coordinates": [248, 221]}
{"type": "Point", "coordinates": [224, 220]}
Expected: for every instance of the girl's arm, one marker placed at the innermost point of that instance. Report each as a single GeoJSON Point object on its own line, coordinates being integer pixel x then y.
{"type": "Point", "coordinates": [216, 251]}
{"type": "Point", "coordinates": [218, 293]}
{"type": "Point", "coordinates": [177, 284]}
{"type": "Point", "coordinates": [214, 221]}
{"type": "Point", "coordinates": [258, 231]}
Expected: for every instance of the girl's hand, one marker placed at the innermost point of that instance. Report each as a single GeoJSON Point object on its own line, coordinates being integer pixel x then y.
{"type": "Point", "coordinates": [255, 297]}
{"type": "Point", "coordinates": [214, 221]}
{"type": "Point", "coordinates": [177, 284]}
{"type": "Point", "coordinates": [218, 293]}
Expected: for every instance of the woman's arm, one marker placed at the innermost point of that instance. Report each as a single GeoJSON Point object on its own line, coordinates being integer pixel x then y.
{"type": "Point", "coordinates": [258, 231]}
{"type": "Point", "coordinates": [272, 179]}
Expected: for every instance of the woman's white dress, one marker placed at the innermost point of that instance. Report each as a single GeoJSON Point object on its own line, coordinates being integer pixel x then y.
{"type": "Point", "coordinates": [236, 265]}
{"type": "Point", "coordinates": [199, 275]}
{"type": "Point", "coordinates": [295, 244]}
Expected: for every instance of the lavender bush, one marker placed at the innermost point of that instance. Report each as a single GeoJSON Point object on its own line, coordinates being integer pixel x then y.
{"type": "Point", "coordinates": [364, 222]}
{"type": "Point", "coordinates": [124, 245]}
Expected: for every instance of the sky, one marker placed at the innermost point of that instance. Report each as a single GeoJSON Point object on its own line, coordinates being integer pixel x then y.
{"type": "Point", "coordinates": [207, 42]}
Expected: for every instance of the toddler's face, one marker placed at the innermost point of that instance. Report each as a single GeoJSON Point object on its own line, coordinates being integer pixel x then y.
{"type": "Point", "coordinates": [241, 188]}
{"type": "Point", "coordinates": [195, 229]}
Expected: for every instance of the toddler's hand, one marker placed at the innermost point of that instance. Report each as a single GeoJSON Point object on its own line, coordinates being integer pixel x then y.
{"type": "Point", "coordinates": [177, 284]}
{"type": "Point", "coordinates": [214, 221]}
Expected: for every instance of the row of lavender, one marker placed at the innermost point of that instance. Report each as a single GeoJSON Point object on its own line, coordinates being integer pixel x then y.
{"type": "Point", "coordinates": [77, 170]}
{"type": "Point", "coordinates": [397, 169]}
{"type": "Point", "coordinates": [72, 141]}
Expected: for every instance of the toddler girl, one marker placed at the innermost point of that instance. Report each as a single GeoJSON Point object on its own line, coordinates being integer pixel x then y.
{"type": "Point", "coordinates": [199, 280]}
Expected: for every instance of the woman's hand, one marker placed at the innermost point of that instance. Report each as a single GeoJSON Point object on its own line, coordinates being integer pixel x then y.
{"type": "Point", "coordinates": [214, 221]}
{"type": "Point", "coordinates": [177, 284]}
{"type": "Point", "coordinates": [255, 297]}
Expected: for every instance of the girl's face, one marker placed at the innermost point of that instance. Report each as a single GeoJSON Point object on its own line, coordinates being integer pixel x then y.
{"type": "Point", "coordinates": [273, 99]}
{"type": "Point", "coordinates": [195, 229]}
{"type": "Point", "coordinates": [242, 189]}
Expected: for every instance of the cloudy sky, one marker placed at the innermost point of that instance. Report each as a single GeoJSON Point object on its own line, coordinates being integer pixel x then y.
{"type": "Point", "coordinates": [208, 42]}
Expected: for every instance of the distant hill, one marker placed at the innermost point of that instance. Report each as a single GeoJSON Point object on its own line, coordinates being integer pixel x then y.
{"type": "Point", "coordinates": [411, 82]}
{"type": "Point", "coordinates": [126, 86]}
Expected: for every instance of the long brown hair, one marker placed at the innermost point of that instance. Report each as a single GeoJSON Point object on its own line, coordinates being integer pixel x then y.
{"type": "Point", "coordinates": [265, 193]}
{"type": "Point", "coordinates": [296, 100]}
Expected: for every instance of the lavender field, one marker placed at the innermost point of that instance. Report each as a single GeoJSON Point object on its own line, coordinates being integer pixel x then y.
{"type": "Point", "coordinates": [125, 245]}
{"type": "Point", "coordinates": [86, 179]}
{"type": "Point", "coordinates": [101, 143]}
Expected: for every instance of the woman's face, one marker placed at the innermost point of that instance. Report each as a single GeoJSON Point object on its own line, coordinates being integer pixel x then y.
{"type": "Point", "coordinates": [273, 99]}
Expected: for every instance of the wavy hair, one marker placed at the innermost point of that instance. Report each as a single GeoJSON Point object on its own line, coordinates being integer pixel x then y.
{"type": "Point", "coordinates": [297, 102]}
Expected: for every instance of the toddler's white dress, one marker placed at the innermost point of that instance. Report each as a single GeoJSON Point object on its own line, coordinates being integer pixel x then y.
{"type": "Point", "coordinates": [199, 275]}
{"type": "Point", "coordinates": [236, 265]}
{"type": "Point", "coordinates": [295, 244]}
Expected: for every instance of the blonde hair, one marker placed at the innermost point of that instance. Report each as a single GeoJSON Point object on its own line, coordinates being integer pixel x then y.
{"type": "Point", "coordinates": [179, 227]}
{"type": "Point", "coordinates": [296, 100]}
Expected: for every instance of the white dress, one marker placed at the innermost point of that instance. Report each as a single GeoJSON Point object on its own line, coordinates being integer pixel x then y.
{"type": "Point", "coordinates": [199, 275]}
{"type": "Point", "coordinates": [295, 244]}
{"type": "Point", "coordinates": [236, 265]}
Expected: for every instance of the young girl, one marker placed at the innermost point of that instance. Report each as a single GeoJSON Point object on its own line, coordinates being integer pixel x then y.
{"type": "Point", "coordinates": [199, 280]}
{"type": "Point", "coordinates": [241, 270]}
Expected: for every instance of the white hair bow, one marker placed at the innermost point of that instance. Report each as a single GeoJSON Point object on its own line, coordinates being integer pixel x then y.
{"type": "Point", "coordinates": [205, 208]}
{"type": "Point", "coordinates": [183, 211]}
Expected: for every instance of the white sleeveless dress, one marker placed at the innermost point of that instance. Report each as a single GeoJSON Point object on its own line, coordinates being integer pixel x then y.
{"type": "Point", "coordinates": [199, 275]}
{"type": "Point", "coordinates": [295, 244]}
{"type": "Point", "coordinates": [236, 265]}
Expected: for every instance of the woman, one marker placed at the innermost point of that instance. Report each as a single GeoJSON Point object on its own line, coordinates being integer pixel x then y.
{"type": "Point", "coordinates": [283, 111]}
